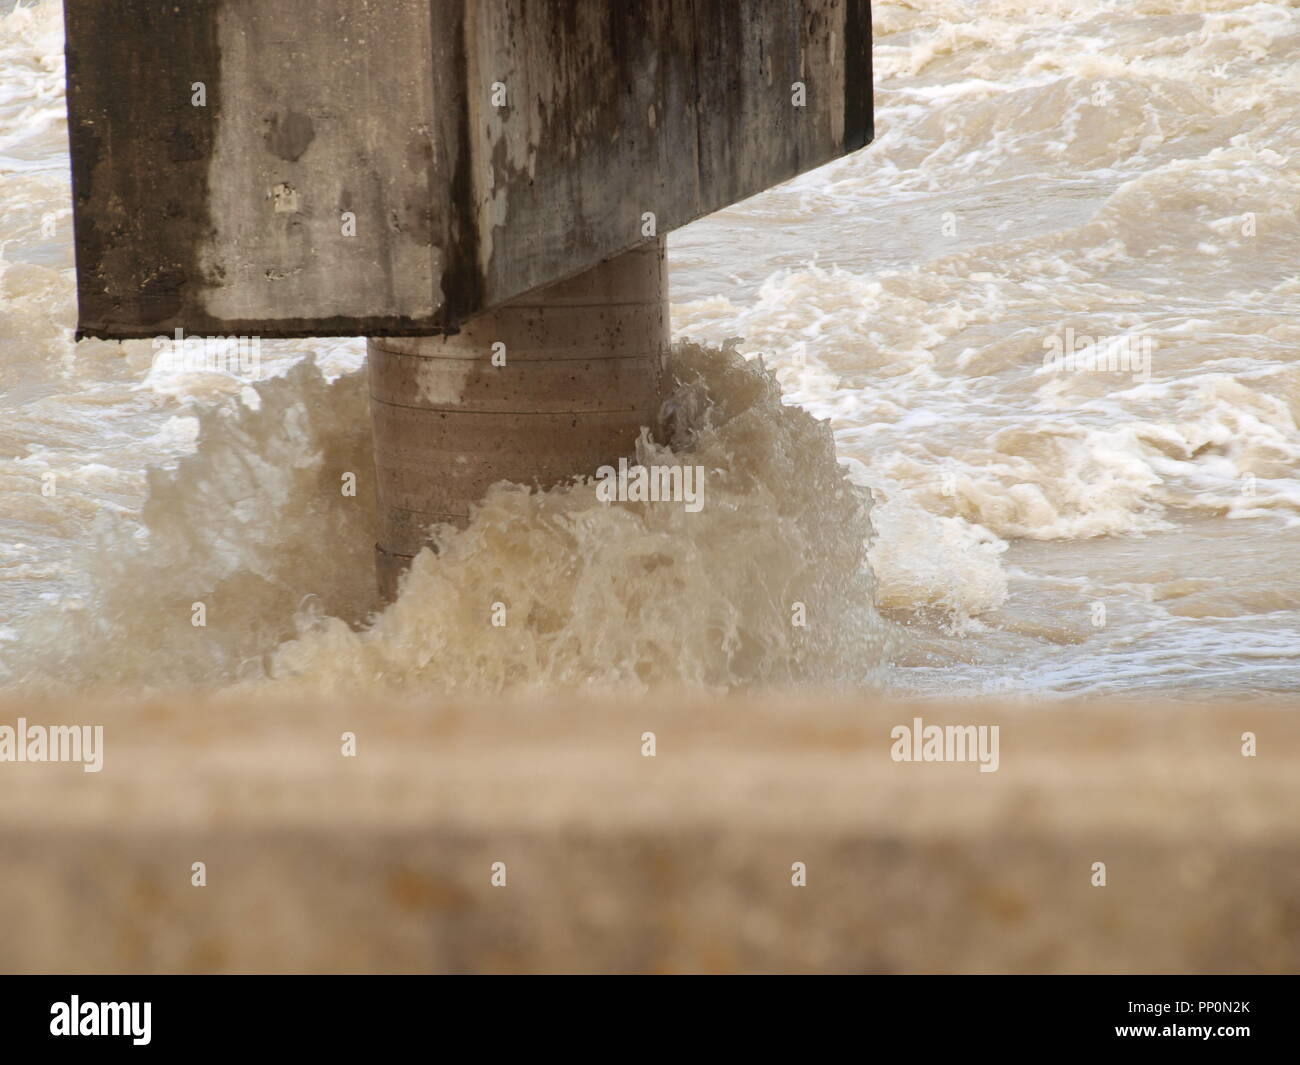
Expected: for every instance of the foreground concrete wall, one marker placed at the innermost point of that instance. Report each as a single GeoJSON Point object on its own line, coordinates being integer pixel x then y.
{"type": "Point", "coordinates": [680, 862]}
{"type": "Point", "coordinates": [329, 167]}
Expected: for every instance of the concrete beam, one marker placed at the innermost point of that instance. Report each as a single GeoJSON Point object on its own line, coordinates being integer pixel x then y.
{"type": "Point", "coordinates": [481, 150]}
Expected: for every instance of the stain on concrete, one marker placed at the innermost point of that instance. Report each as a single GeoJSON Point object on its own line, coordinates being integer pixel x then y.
{"type": "Point", "coordinates": [140, 151]}
{"type": "Point", "coordinates": [290, 135]}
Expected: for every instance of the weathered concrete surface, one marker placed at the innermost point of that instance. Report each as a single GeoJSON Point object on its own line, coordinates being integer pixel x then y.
{"type": "Point", "coordinates": [229, 218]}
{"type": "Point", "coordinates": [555, 383]}
{"type": "Point", "coordinates": [676, 863]}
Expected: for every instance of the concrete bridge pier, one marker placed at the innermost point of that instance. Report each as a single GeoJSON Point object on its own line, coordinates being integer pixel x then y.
{"type": "Point", "coordinates": [466, 183]}
{"type": "Point", "coordinates": [550, 385]}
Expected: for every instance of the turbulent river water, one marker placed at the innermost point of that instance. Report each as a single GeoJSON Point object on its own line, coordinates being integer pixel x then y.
{"type": "Point", "coordinates": [866, 371]}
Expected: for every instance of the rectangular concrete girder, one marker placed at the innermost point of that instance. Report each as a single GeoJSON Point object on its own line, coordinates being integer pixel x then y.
{"type": "Point", "coordinates": [342, 167]}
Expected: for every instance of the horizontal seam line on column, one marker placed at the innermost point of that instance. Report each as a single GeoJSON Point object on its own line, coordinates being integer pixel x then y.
{"type": "Point", "coordinates": [577, 306]}
{"type": "Point", "coordinates": [462, 410]}
{"type": "Point", "coordinates": [518, 359]}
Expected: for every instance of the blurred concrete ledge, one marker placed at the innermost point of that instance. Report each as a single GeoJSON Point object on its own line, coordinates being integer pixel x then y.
{"type": "Point", "coordinates": [681, 862]}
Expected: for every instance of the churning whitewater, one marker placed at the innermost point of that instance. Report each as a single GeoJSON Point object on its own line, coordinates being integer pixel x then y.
{"type": "Point", "coordinates": [1047, 322]}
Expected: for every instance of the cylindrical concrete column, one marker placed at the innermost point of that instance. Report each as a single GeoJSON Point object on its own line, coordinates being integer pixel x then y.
{"type": "Point", "coordinates": [555, 383]}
